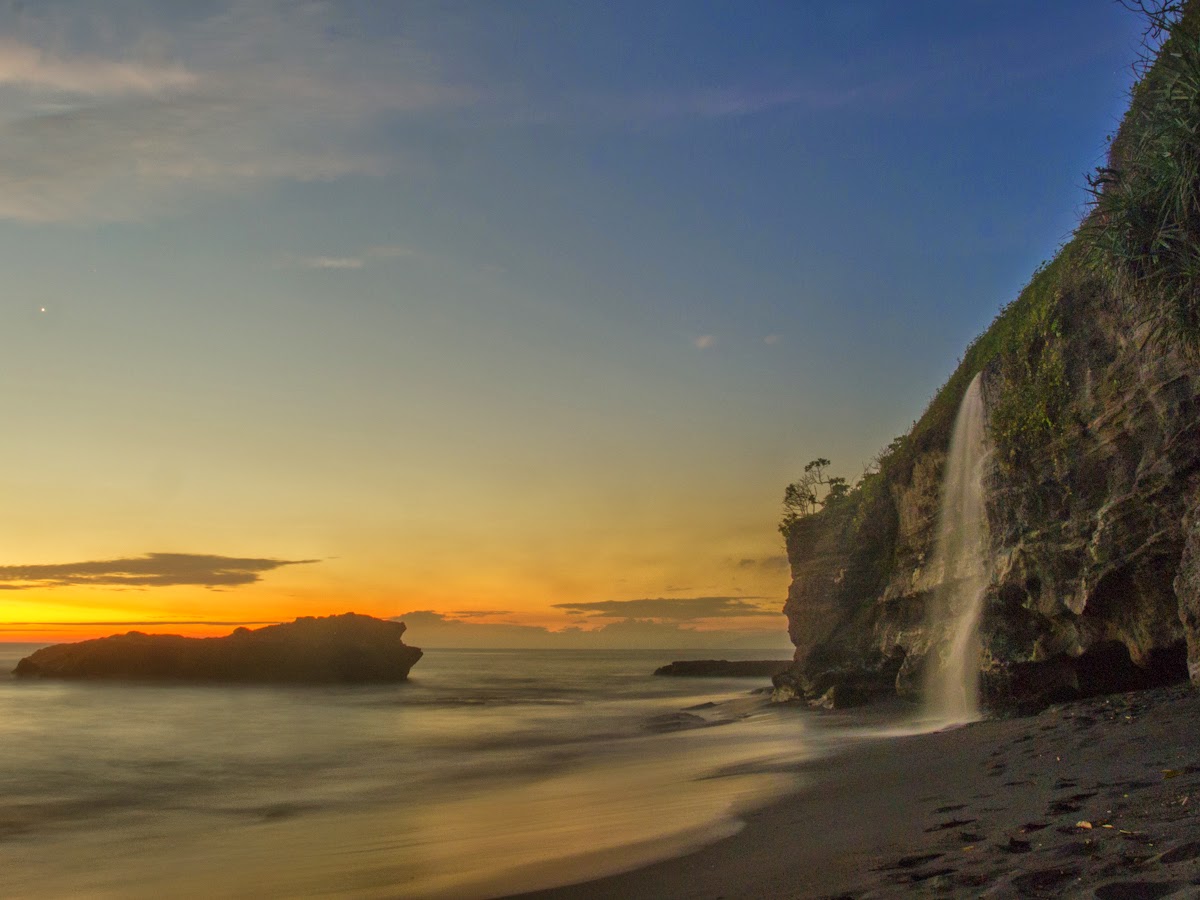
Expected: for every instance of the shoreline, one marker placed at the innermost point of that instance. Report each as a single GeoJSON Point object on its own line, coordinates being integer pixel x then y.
{"type": "Point", "coordinates": [1096, 797]}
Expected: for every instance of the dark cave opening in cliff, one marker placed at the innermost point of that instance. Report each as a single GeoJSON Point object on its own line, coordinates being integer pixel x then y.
{"type": "Point", "coordinates": [1107, 668]}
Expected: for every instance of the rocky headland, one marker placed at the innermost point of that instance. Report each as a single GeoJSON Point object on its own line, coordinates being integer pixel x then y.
{"type": "Point", "coordinates": [1091, 387]}
{"type": "Point", "coordinates": [724, 668]}
{"type": "Point", "coordinates": [345, 649]}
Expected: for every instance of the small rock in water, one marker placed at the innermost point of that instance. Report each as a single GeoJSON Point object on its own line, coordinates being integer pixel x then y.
{"type": "Point", "coordinates": [839, 696]}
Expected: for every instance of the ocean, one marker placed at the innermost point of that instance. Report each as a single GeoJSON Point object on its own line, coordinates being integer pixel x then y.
{"type": "Point", "coordinates": [488, 772]}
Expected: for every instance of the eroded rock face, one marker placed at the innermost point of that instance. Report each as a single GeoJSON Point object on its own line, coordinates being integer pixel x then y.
{"type": "Point", "coordinates": [345, 649]}
{"type": "Point", "coordinates": [1095, 549]}
{"type": "Point", "coordinates": [1091, 387]}
{"type": "Point", "coordinates": [1187, 590]}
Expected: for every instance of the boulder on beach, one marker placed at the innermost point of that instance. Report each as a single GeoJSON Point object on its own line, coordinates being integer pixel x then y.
{"type": "Point", "coordinates": [345, 649]}
{"type": "Point", "coordinates": [724, 668]}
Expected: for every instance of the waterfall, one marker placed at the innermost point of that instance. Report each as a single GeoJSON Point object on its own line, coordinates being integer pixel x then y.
{"type": "Point", "coordinates": [952, 679]}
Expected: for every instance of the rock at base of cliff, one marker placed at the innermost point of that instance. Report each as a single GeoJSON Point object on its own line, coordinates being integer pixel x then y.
{"type": "Point", "coordinates": [1187, 591]}
{"type": "Point", "coordinates": [345, 649]}
{"type": "Point", "coordinates": [724, 668]}
{"type": "Point", "coordinates": [840, 696]}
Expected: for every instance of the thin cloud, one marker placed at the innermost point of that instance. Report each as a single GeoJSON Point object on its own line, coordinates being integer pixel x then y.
{"type": "Point", "coordinates": [765, 563]}
{"type": "Point", "coordinates": [26, 66]}
{"type": "Point", "coordinates": [771, 339]}
{"type": "Point", "coordinates": [357, 260]}
{"type": "Point", "coordinates": [269, 91]}
{"type": "Point", "coordinates": [427, 628]}
{"type": "Point", "coordinates": [683, 609]}
{"type": "Point", "coordinates": [739, 100]}
{"type": "Point", "coordinates": [331, 262]}
{"type": "Point", "coordinates": [150, 570]}
{"type": "Point", "coordinates": [704, 341]}
{"type": "Point", "coordinates": [149, 623]}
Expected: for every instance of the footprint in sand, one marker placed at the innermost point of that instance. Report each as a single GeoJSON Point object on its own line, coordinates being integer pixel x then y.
{"type": "Point", "coordinates": [1124, 865]}
{"type": "Point", "coordinates": [1062, 807]}
{"type": "Point", "coordinates": [918, 877]}
{"type": "Point", "coordinates": [1038, 884]}
{"type": "Point", "coordinates": [1182, 853]}
{"type": "Point", "coordinates": [1073, 849]}
{"type": "Point", "coordinates": [952, 823]}
{"type": "Point", "coordinates": [1016, 845]}
{"type": "Point", "coordinates": [1136, 890]}
{"type": "Point", "coordinates": [910, 862]}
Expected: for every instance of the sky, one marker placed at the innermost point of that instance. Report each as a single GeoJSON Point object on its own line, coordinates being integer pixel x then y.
{"type": "Point", "coordinates": [515, 317]}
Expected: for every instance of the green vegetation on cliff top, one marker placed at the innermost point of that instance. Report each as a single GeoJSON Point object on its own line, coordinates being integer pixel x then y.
{"type": "Point", "coordinates": [1139, 245]}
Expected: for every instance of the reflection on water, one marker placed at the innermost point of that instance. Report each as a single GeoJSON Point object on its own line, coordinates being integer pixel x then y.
{"type": "Point", "coordinates": [489, 771]}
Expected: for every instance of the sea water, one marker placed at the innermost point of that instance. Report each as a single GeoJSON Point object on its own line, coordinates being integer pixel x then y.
{"type": "Point", "coordinates": [488, 772]}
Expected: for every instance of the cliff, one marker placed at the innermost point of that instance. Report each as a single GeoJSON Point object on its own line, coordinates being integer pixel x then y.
{"type": "Point", "coordinates": [341, 649]}
{"type": "Point", "coordinates": [1091, 384]}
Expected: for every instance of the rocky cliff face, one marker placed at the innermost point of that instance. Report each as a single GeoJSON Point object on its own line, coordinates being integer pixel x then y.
{"type": "Point", "coordinates": [1094, 552]}
{"type": "Point", "coordinates": [1091, 382]}
{"type": "Point", "coordinates": [335, 649]}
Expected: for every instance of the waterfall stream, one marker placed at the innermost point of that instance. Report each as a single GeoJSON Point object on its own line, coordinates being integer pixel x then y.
{"type": "Point", "coordinates": [952, 679]}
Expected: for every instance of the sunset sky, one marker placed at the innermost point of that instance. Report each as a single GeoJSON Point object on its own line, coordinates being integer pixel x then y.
{"type": "Point", "coordinates": [514, 314]}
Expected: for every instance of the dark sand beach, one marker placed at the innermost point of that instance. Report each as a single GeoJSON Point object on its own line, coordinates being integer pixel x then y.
{"type": "Point", "coordinates": [1095, 798]}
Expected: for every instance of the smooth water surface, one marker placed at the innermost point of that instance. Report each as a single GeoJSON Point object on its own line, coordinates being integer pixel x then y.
{"type": "Point", "coordinates": [488, 772]}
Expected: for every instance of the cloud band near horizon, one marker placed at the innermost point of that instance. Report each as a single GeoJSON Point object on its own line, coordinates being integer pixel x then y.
{"type": "Point", "coordinates": [677, 609]}
{"type": "Point", "coordinates": [148, 570]}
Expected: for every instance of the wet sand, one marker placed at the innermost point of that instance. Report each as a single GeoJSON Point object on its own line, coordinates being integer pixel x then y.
{"type": "Point", "coordinates": [1091, 799]}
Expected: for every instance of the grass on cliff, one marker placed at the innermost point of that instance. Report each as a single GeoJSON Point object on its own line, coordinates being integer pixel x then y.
{"type": "Point", "coordinates": [1144, 230]}
{"type": "Point", "coordinates": [1140, 243]}
{"type": "Point", "coordinates": [1025, 339]}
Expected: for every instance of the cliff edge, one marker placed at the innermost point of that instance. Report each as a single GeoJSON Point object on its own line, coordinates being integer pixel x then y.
{"type": "Point", "coordinates": [1091, 382]}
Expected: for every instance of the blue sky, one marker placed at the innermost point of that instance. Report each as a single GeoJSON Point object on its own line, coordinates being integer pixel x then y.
{"type": "Point", "coordinates": [502, 306]}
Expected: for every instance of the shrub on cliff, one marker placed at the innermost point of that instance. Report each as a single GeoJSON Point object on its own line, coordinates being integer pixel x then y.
{"type": "Point", "coordinates": [1029, 410]}
{"type": "Point", "coordinates": [800, 498]}
{"type": "Point", "coordinates": [1144, 229]}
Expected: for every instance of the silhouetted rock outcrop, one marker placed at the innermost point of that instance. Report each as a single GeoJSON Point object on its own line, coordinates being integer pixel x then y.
{"type": "Point", "coordinates": [724, 668]}
{"type": "Point", "coordinates": [345, 649]}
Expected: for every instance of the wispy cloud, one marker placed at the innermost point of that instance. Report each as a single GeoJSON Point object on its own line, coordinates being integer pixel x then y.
{"type": "Point", "coordinates": [257, 90]}
{"type": "Point", "coordinates": [681, 609]}
{"type": "Point", "coordinates": [141, 623]}
{"type": "Point", "coordinates": [34, 68]}
{"type": "Point", "coordinates": [765, 563]}
{"type": "Point", "coordinates": [357, 259]}
{"type": "Point", "coordinates": [331, 262]}
{"type": "Point", "coordinates": [427, 628]}
{"type": "Point", "coordinates": [733, 101]}
{"type": "Point", "coordinates": [150, 570]}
